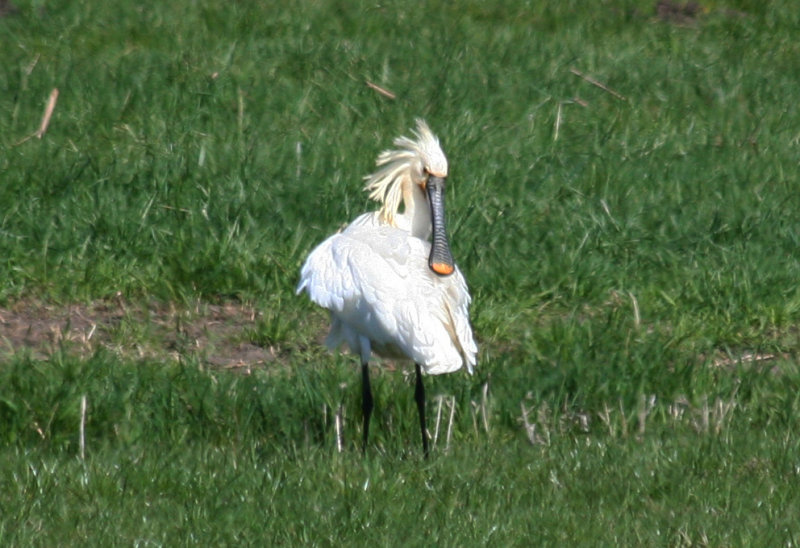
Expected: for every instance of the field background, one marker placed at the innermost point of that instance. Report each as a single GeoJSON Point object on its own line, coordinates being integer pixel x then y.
{"type": "Point", "coordinates": [623, 201]}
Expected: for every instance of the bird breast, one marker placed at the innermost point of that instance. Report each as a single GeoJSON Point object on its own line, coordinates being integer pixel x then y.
{"type": "Point", "coordinates": [376, 282]}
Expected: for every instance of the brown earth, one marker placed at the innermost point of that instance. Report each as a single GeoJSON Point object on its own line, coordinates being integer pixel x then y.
{"type": "Point", "coordinates": [216, 333]}
{"type": "Point", "coordinates": [7, 8]}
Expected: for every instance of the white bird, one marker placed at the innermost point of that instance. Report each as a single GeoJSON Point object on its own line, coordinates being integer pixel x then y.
{"type": "Point", "coordinates": [388, 289]}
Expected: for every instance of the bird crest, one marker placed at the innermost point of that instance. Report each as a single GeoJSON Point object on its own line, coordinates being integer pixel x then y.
{"type": "Point", "coordinates": [406, 165]}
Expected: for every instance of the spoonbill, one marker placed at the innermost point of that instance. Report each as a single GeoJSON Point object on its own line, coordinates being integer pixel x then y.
{"type": "Point", "coordinates": [388, 289]}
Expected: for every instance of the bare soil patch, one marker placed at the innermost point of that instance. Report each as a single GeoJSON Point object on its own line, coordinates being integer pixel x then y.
{"type": "Point", "coordinates": [218, 334]}
{"type": "Point", "coordinates": [7, 8]}
{"type": "Point", "coordinates": [677, 12]}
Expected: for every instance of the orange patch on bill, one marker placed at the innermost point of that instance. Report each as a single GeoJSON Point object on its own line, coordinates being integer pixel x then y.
{"type": "Point", "coordinates": [443, 269]}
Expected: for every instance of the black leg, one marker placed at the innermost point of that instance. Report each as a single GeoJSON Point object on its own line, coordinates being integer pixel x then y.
{"type": "Point", "coordinates": [366, 402]}
{"type": "Point", "coordinates": [419, 395]}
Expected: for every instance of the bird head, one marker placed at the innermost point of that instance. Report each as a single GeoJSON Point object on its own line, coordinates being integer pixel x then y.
{"type": "Point", "coordinates": [419, 161]}
{"type": "Point", "coordinates": [413, 162]}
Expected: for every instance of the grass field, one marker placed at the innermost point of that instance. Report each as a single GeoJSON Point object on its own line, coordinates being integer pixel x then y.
{"type": "Point", "coordinates": [623, 201]}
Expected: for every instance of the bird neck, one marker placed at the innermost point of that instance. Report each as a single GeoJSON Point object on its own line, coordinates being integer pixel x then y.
{"type": "Point", "coordinates": [416, 215]}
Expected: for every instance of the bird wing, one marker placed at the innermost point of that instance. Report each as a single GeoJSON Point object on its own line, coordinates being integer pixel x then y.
{"type": "Point", "coordinates": [376, 281]}
{"type": "Point", "coordinates": [457, 304]}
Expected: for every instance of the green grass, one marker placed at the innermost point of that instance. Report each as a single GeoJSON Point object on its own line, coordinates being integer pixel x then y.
{"type": "Point", "coordinates": [625, 256]}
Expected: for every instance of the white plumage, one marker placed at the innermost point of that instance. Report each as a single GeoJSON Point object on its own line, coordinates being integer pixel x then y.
{"type": "Point", "coordinates": [387, 290]}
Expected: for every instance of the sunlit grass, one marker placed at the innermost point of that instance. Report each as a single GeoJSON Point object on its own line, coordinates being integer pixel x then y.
{"type": "Point", "coordinates": [623, 205]}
